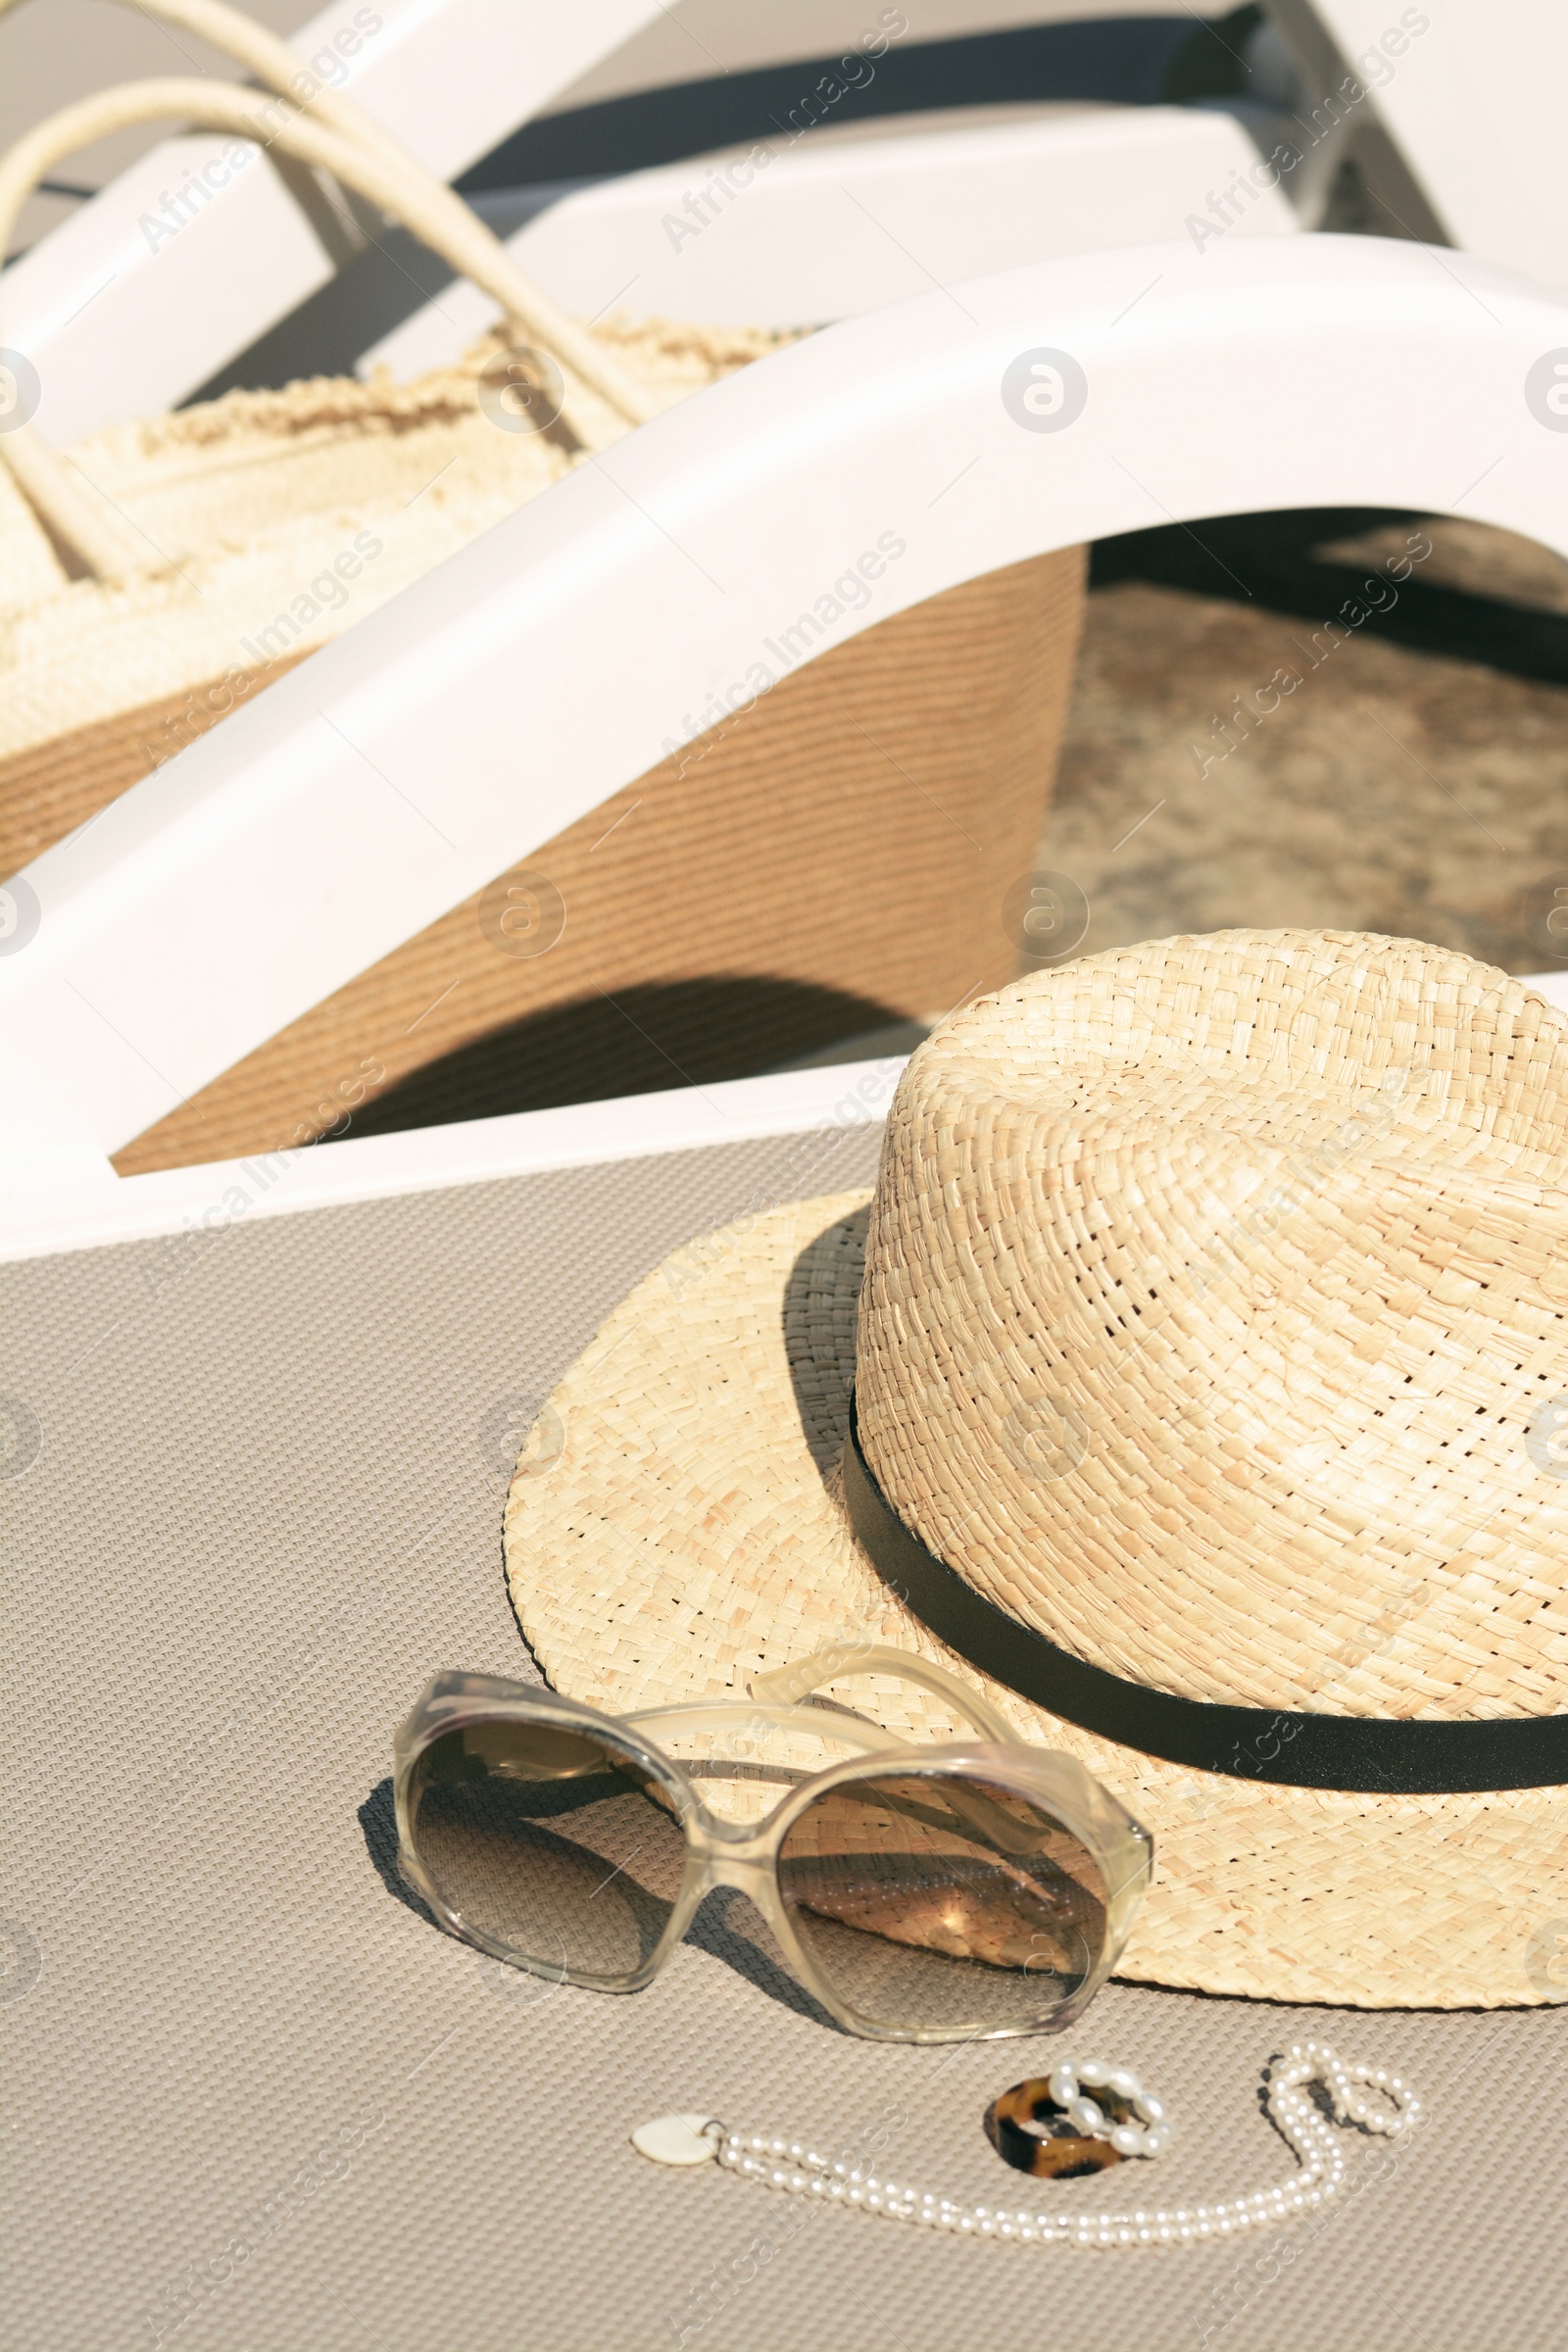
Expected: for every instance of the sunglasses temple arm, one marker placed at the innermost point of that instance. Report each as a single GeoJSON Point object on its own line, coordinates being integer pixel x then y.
{"type": "Point", "coordinates": [785, 1685]}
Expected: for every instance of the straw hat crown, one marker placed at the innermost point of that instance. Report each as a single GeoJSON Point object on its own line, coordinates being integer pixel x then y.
{"type": "Point", "coordinates": [1215, 1320]}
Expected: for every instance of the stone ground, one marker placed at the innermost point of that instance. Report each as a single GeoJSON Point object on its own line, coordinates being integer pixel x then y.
{"type": "Point", "coordinates": [1414, 781]}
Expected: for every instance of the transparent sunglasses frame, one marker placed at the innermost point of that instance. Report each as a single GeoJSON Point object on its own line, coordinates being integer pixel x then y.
{"type": "Point", "coordinates": [721, 1852]}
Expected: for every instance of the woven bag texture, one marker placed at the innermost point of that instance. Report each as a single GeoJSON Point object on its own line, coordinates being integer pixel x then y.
{"type": "Point", "coordinates": [274, 520]}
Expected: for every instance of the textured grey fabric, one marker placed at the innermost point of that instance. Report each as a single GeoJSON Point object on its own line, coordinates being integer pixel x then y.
{"type": "Point", "coordinates": [260, 1513]}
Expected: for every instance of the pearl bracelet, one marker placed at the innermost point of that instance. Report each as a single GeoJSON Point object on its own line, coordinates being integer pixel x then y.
{"type": "Point", "coordinates": [1378, 2101]}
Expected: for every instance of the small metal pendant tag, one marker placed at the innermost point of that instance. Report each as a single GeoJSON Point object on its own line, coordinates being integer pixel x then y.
{"type": "Point", "coordinates": [675, 2139]}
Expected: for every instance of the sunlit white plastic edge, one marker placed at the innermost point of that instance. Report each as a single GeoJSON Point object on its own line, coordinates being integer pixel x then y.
{"type": "Point", "coordinates": [1478, 118]}
{"type": "Point", "coordinates": [123, 313]}
{"type": "Point", "coordinates": [212, 1200]}
{"type": "Point", "coordinates": [836, 224]}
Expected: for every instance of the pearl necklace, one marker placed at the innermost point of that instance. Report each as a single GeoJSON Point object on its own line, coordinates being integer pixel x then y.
{"type": "Point", "coordinates": [1358, 2095]}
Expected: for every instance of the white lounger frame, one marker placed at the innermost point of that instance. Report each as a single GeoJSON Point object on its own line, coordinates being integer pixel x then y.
{"type": "Point", "coordinates": [214, 1200]}
{"type": "Point", "coordinates": [379, 784]}
{"type": "Point", "coordinates": [124, 316]}
{"type": "Point", "coordinates": [840, 224]}
{"type": "Point", "coordinates": [1473, 103]}
{"type": "Point", "coordinates": [382, 783]}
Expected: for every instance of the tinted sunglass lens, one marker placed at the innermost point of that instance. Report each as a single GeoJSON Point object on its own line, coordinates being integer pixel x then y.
{"type": "Point", "coordinates": [931, 1902]}
{"type": "Point", "coordinates": [554, 1844]}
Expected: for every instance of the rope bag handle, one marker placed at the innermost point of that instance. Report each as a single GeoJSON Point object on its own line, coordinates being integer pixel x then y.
{"type": "Point", "coordinates": [273, 62]}
{"type": "Point", "coordinates": [342, 141]}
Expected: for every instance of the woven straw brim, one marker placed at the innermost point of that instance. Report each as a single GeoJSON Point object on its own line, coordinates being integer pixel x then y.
{"type": "Point", "coordinates": [677, 1525]}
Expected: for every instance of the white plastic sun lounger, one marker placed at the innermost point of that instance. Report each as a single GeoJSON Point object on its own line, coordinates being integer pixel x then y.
{"type": "Point", "coordinates": [1475, 118]}
{"type": "Point", "coordinates": [176, 269]}
{"type": "Point", "coordinates": [287, 850]}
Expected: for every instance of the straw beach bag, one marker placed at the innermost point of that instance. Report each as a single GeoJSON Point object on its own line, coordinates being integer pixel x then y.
{"type": "Point", "coordinates": [165, 572]}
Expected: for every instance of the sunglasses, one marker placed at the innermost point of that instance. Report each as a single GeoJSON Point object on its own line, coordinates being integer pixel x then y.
{"type": "Point", "coordinates": [920, 1894]}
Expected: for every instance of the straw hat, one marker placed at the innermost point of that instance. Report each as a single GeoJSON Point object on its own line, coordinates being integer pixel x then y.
{"type": "Point", "coordinates": [1207, 1369]}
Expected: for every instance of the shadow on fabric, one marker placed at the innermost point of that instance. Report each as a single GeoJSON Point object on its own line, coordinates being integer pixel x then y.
{"type": "Point", "coordinates": [643, 1041]}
